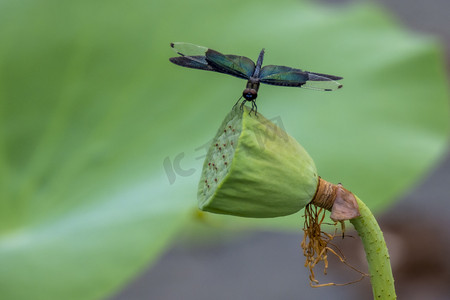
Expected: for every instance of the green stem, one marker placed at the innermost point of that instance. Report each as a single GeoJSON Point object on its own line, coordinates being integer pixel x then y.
{"type": "Point", "coordinates": [376, 253]}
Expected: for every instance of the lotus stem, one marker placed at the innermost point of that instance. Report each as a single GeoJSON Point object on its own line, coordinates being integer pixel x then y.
{"type": "Point", "coordinates": [376, 253]}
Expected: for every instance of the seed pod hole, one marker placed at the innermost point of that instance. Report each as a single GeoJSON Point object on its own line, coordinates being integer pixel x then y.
{"type": "Point", "coordinates": [218, 152]}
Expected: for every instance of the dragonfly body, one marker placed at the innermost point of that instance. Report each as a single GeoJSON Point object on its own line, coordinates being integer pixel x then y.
{"type": "Point", "coordinates": [251, 90]}
{"type": "Point", "coordinates": [198, 57]}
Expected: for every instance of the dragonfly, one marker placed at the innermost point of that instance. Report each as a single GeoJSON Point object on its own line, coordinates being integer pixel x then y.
{"type": "Point", "coordinates": [203, 58]}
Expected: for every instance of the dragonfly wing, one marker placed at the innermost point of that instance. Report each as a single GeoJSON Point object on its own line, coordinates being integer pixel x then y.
{"type": "Point", "coordinates": [191, 52]}
{"type": "Point", "coordinates": [322, 82]}
{"type": "Point", "coordinates": [188, 49]}
{"type": "Point", "coordinates": [286, 76]}
{"type": "Point", "coordinates": [322, 77]}
{"type": "Point", "coordinates": [283, 76]}
{"type": "Point", "coordinates": [239, 66]}
{"type": "Point", "coordinates": [194, 62]}
{"type": "Point", "coordinates": [199, 57]}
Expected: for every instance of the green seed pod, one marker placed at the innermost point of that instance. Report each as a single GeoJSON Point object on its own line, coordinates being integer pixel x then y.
{"type": "Point", "coordinates": [255, 169]}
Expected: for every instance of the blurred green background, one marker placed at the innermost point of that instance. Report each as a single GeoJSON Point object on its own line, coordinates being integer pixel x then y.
{"type": "Point", "coordinates": [102, 139]}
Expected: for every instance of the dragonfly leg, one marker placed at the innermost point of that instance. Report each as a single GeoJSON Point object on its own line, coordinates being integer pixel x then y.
{"type": "Point", "coordinates": [242, 104]}
{"type": "Point", "coordinates": [254, 107]}
{"type": "Point", "coordinates": [238, 102]}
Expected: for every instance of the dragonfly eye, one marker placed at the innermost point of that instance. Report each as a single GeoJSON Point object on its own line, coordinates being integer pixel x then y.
{"type": "Point", "coordinates": [249, 94]}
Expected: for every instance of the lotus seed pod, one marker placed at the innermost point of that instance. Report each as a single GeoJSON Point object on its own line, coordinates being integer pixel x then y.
{"type": "Point", "coordinates": [255, 169]}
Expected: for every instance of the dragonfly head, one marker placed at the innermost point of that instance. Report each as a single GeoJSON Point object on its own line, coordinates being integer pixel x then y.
{"type": "Point", "coordinates": [249, 94]}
